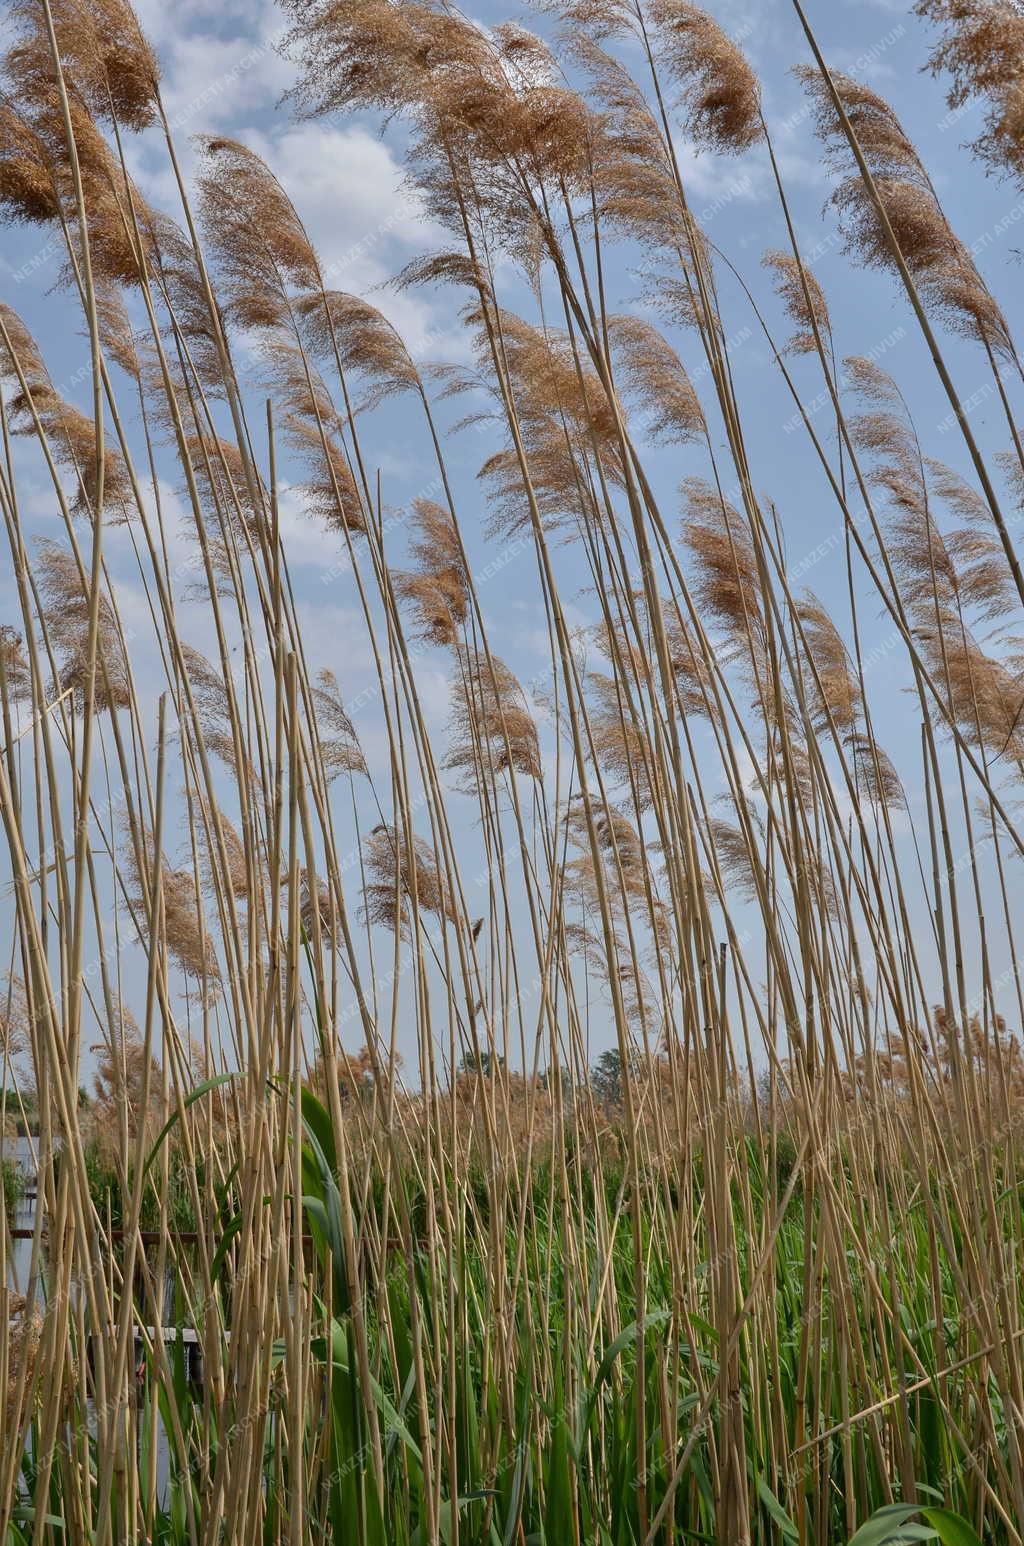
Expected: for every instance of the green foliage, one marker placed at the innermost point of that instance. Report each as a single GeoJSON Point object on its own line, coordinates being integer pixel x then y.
{"type": "Point", "coordinates": [12, 1187]}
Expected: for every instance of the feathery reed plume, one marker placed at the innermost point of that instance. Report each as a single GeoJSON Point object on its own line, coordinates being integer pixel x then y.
{"type": "Point", "coordinates": [533, 118]}
{"type": "Point", "coordinates": [16, 667]}
{"type": "Point", "coordinates": [633, 175]}
{"type": "Point", "coordinates": [621, 971]}
{"type": "Point", "coordinates": [800, 771]}
{"type": "Point", "coordinates": [691, 668]}
{"type": "Point", "coordinates": [41, 141]}
{"type": "Point", "coordinates": [402, 874]}
{"type": "Point", "coordinates": [493, 730]}
{"type": "Point", "coordinates": [27, 189]}
{"type": "Point", "coordinates": [364, 340]}
{"type": "Point", "coordinates": [23, 1333]}
{"type": "Point", "coordinates": [835, 692]}
{"type": "Point", "coordinates": [517, 118]}
{"type": "Point", "coordinates": [330, 494]}
{"type": "Point", "coordinates": [213, 707]}
{"type": "Point", "coordinates": [70, 433]}
{"type": "Point", "coordinates": [213, 825]}
{"type": "Point", "coordinates": [221, 579]}
{"type": "Point", "coordinates": [727, 579]}
{"type": "Point", "coordinates": [919, 553]}
{"type": "Point", "coordinates": [72, 437]}
{"type": "Point", "coordinates": [594, 18]}
{"type": "Point", "coordinates": [339, 744]}
{"type": "Point", "coordinates": [791, 277]}
{"type": "Point", "coordinates": [560, 487]}
{"type": "Point", "coordinates": [985, 696]}
{"type": "Point", "coordinates": [376, 55]}
{"type": "Point", "coordinates": [355, 1072]}
{"type": "Point", "coordinates": [872, 382]}
{"type": "Point", "coordinates": [566, 421]}
{"type": "Point", "coordinates": [455, 268]}
{"type": "Point", "coordinates": [103, 54]}
{"type": "Point", "coordinates": [878, 130]}
{"type": "Point", "coordinates": [656, 375]}
{"type": "Point", "coordinates": [981, 48]}
{"type": "Point", "coordinates": [732, 849]}
{"type": "Point", "coordinates": [113, 208]}
{"type": "Point", "coordinates": [15, 1021]}
{"type": "Point", "coordinates": [116, 334]}
{"type": "Point", "coordinates": [632, 654]}
{"type": "Point", "coordinates": [436, 589]}
{"type": "Point", "coordinates": [990, 1049]}
{"type": "Point", "coordinates": [314, 902]}
{"type": "Point", "coordinates": [622, 745]}
{"type": "Point", "coordinates": [124, 1087]}
{"type": "Point", "coordinates": [631, 881]}
{"type": "Point", "coordinates": [722, 96]}
{"type": "Point", "coordinates": [21, 353]}
{"type": "Point", "coordinates": [463, 88]}
{"type": "Point", "coordinates": [183, 930]}
{"type": "Point", "coordinates": [941, 265]}
{"type": "Point", "coordinates": [180, 284]}
{"type": "Point", "coordinates": [312, 426]}
{"type": "Point", "coordinates": [66, 605]}
{"type": "Point", "coordinates": [875, 776]}
{"type": "Point", "coordinates": [984, 580]}
{"type": "Point", "coordinates": [220, 475]}
{"type": "Point", "coordinates": [252, 224]}
{"type": "Point", "coordinates": [555, 386]}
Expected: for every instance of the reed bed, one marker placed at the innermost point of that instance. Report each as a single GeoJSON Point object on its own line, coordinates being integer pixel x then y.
{"type": "Point", "coordinates": [597, 1120]}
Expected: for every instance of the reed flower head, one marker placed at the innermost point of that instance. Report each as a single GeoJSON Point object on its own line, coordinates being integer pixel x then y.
{"type": "Point", "coordinates": [622, 743]}
{"type": "Point", "coordinates": [127, 1085]}
{"type": "Point", "coordinates": [940, 264]}
{"type": "Point", "coordinates": [732, 849]}
{"type": "Point", "coordinates": [493, 730]}
{"type": "Point", "coordinates": [218, 833]}
{"type": "Point", "coordinates": [23, 1334]}
{"type": "Point", "coordinates": [727, 578]}
{"type": "Point", "coordinates": [403, 878]}
{"type": "Point", "coordinates": [214, 711]}
{"type": "Point", "coordinates": [15, 665]}
{"type": "Point", "coordinates": [330, 494]}
{"type": "Point", "coordinates": [437, 588]}
{"type": "Point", "coordinates": [803, 298]}
{"type": "Point", "coordinates": [657, 377]}
{"type": "Point", "coordinates": [836, 692]}
{"type": "Point", "coordinates": [339, 744]}
{"type": "Point", "coordinates": [104, 55]}
{"type": "Point", "coordinates": [184, 931]}
{"type": "Point", "coordinates": [15, 1023]}
{"type": "Point", "coordinates": [253, 227]}
{"type": "Point", "coordinates": [875, 775]}
{"type": "Point", "coordinates": [35, 406]}
{"type": "Point", "coordinates": [348, 330]}
{"type": "Point", "coordinates": [28, 191]}
{"type": "Point", "coordinates": [66, 606]}
{"type": "Point", "coordinates": [722, 96]}
{"type": "Point", "coordinates": [981, 49]}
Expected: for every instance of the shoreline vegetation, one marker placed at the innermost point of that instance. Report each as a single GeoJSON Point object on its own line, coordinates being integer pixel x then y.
{"type": "Point", "coordinates": [305, 995]}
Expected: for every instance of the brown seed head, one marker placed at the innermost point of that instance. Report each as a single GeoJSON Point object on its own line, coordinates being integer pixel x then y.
{"type": "Point", "coordinates": [722, 96]}
{"type": "Point", "coordinates": [804, 300]}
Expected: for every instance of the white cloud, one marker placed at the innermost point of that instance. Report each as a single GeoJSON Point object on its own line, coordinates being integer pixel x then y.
{"type": "Point", "coordinates": [306, 541]}
{"type": "Point", "coordinates": [216, 64]}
